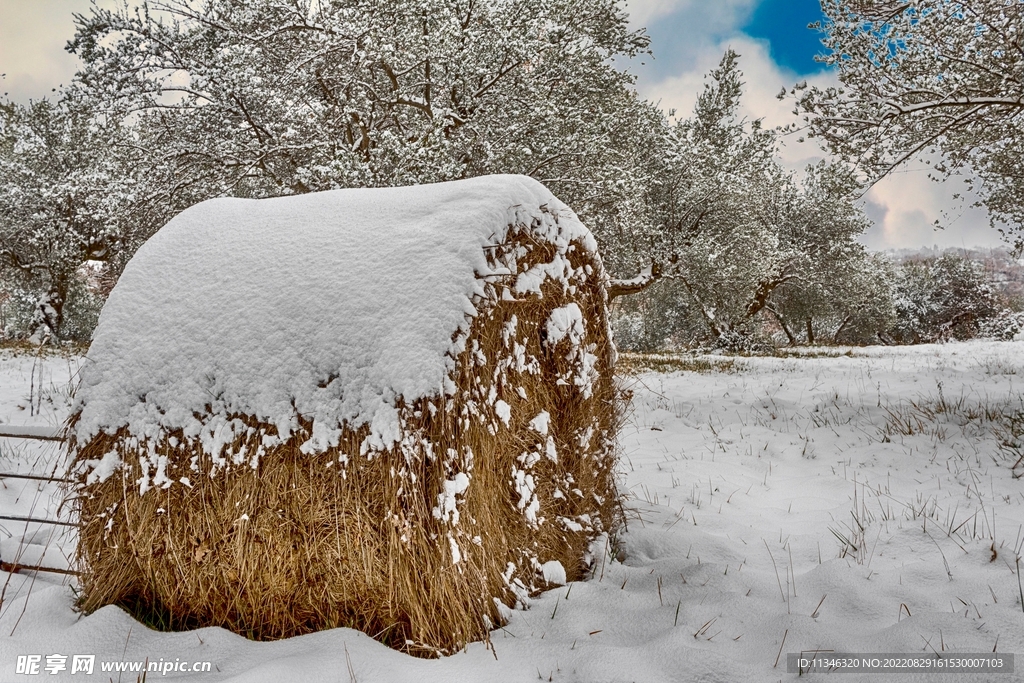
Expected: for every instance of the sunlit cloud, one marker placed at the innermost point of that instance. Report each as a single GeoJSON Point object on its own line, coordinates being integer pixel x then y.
{"type": "Point", "coordinates": [906, 205]}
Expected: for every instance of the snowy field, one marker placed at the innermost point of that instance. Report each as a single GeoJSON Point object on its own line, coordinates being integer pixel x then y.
{"type": "Point", "coordinates": [853, 503]}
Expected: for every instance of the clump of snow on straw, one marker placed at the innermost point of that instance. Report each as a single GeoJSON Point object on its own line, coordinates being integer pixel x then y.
{"type": "Point", "coordinates": [540, 423]}
{"type": "Point", "coordinates": [503, 410]}
{"type": "Point", "coordinates": [553, 573]}
{"type": "Point", "coordinates": [446, 502]}
{"type": "Point", "coordinates": [566, 321]}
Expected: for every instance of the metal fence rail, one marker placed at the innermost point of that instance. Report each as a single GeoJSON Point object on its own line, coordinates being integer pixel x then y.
{"type": "Point", "coordinates": [13, 567]}
{"type": "Point", "coordinates": [29, 432]}
{"type": "Point", "coordinates": [34, 477]}
{"type": "Point", "coordinates": [36, 520]}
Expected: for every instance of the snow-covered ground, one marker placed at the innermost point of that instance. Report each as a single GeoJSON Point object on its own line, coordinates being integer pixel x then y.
{"type": "Point", "coordinates": [857, 503]}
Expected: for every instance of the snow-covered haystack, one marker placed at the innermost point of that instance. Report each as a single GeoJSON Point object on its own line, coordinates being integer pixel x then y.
{"type": "Point", "coordinates": [390, 409]}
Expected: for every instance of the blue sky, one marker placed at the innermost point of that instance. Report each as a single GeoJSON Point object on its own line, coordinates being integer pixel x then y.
{"type": "Point", "coordinates": [783, 23]}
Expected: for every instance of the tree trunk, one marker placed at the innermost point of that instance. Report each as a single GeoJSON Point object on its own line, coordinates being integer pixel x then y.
{"type": "Point", "coordinates": [48, 315]}
{"type": "Point", "coordinates": [762, 295]}
{"type": "Point", "coordinates": [810, 332]}
{"type": "Point", "coordinates": [709, 319]}
{"type": "Point", "coordinates": [842, 326]}
{"type": "Point", "coordinates": [783, 325]}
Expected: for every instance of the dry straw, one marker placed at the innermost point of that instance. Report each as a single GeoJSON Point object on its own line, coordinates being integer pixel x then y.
{"type": "Point", "coordinates": [304, 543]}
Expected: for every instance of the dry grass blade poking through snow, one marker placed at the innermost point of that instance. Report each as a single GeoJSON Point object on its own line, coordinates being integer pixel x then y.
{"type": "Point", "coordinates": [440, 427]}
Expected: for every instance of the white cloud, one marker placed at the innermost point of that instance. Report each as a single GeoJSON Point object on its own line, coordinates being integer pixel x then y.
{"type": "Point", "coordinates": [703, 17]}
{"type": "Point", "coordinates": [33, 34]}
{"type": "Point", "coordinates": [32, 39]}
{"type": "Point", "coordinates": [763, 80]}
{"type": "Point", "coordinates": [683, 31]}
{"type": "Point", "coordinates": [905, 205]}
{"type": "Point", "coordinates": [641, 12]}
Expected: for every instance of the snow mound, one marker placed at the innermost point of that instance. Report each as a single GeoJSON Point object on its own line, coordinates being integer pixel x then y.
{"type": "Point", "coordinates": [330, 307]}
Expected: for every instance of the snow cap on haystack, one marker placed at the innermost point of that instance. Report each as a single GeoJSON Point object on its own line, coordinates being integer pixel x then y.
{"type": "Point", "coordinates": [328, 306]}
{"type": "Point", "coordinates": [316, 394]}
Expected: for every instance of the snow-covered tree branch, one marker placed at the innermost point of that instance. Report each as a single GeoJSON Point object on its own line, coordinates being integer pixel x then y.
{"type": "Point", "coordinates": [275, 97]}
{"type": "Point", "coordinates": [927, 78]}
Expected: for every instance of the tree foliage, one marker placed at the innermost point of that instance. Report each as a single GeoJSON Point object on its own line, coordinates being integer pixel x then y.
{"type": "Point", "coordinates": [274, 97]}
{"type": "Point", "coordinates": [183, 100]}
{"type": "Point", "coordinates": [67, 198]}
{"type": "Point", "coordinates": [927, 78]}
{"type": "Point", "coordinates": [734, 227]}
{"type": "Point", "coordinates": [940, 299]}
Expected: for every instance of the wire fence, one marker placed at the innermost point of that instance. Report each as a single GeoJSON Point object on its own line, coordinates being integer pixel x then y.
{"type": "Point", "coordinates": [36, 434]}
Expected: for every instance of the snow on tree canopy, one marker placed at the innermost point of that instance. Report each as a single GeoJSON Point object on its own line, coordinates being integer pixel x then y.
{"type": "Point", "coordinates": [330, 306]}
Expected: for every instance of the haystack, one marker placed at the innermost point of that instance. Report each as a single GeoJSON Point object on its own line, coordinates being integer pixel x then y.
{"type": "Point", "coordinates": [389, 409]}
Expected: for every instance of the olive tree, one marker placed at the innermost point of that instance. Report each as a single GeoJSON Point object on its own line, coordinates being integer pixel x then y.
{"type": "Point", "coordinates": [929, 79]}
